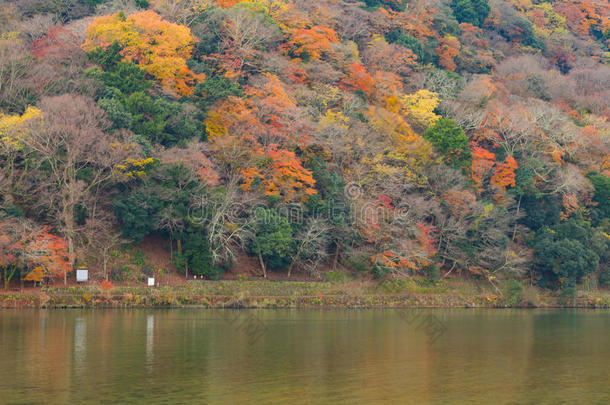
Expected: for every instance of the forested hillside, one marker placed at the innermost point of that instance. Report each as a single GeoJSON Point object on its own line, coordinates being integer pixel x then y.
{"type": "Point", "coordinates": [386, 138]}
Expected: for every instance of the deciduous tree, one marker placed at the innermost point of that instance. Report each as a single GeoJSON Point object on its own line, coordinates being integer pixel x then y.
{"type": "Point", "coordinates": [75, 159]}
{"type": "Point", "coordinates": [159, 47]}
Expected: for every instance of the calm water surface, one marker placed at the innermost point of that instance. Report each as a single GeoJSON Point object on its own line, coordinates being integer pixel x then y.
{"type": "Point", "coordinates": [304, 357]}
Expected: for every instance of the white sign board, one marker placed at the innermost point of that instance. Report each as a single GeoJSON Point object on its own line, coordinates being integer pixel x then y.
{"type": "Point", "coordinates": [151, 281]}
{"type": "Point", "coordinates": [82, 275]}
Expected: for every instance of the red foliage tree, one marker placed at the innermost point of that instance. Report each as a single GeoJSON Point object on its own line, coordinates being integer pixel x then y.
{"type": "Point", "coordinates": [448, 48]}
{"type": "Point", "coordinates": [48, 255]}
{"type": "Point", "coordinates": [357, 78]}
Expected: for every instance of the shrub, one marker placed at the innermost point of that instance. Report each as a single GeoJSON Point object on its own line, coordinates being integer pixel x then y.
{"type": "Point", "coordinates": [196, 256]}
{"type": "Point", "coordinates": [124, 76]}
{"type": "Point", "coordinates": [604, 278]}
{"type": "Point", "coordinates": [357, 263]}
{"type": "Point", "coordinates": [450, 141]}
{"type": "Point", "coordinates": [380, 271]}
{"type": "Point", "coordinates": [166, 189]}
{"type": "Point", "coordinates": [336, 277]}
{"type": "Point", "coordinates": [425, 55]}
{"type": "Point", "coordinates": [398, 286]}
{"type": "Point", "coordinates": [601, 197]}
{"type": "Point", "coordinates": [216, 88]}
{"type": "Point", "coordinates": [513, 292]}
{"type": "Point", "coordinates": [568, 252]}
{"type": "Point", "coordinates": [471, 11]}
{"type": "Point", "coordinates": [273, 238]}
{"type": "Point", "coordinates": [433, 273]}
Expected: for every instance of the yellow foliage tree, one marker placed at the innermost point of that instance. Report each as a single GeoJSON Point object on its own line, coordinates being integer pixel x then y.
{"type": "Point", "coordinates": [13, 130]}
{"type": "Point", "coordinates": [420, 106]}
{"type": "Point", "coordinates": [334, 119]}
{"type": "Point", "coordinates": [407, 151]}
{"type": "Point", "coordinates": [274, 8]}
{"type": "Point", "coordinates": [159, 47]}
{"type": "Point", "coordinates": [134, 168]}
{"type": "Point", "coordinates": [14, 127]}
{"type": "Point", "coordinates": [417, 108]}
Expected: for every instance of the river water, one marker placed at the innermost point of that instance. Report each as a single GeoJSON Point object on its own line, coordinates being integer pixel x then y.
{"type": "Point", "coordinates": [435, 356]}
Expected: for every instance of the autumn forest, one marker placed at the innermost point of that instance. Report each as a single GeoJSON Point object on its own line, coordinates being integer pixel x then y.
{"type": "Point", "coordinates": [386, 139]}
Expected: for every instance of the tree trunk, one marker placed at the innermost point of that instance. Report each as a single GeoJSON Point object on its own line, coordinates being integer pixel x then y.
{"type": "Point", "coordinates": [71, 254]}
{"type": "Point", "coordinates": [262, 263]}
{"type": "Point", "coordinates": [450, 270]}
{"type": "Point", "coordinates": [517, 215]}
{"type": "Point", "coordinates": [336, 258]}
{"type": "Point", "coordinates": [8, 275]}
{"type": "Point", "coordinates": [69, 233]}
{"type": "Point", "coordinates": [298, 253]}
{"type": "Point", "coordinates": [290, 267]}
{"type": "Point", "coordinates": [179, 249]}
{"type": "Point", "coordinates": [68, 218]}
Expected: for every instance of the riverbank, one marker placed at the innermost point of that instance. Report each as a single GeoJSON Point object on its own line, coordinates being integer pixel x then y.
{"type": "Point", "coordinates": [290, 294]}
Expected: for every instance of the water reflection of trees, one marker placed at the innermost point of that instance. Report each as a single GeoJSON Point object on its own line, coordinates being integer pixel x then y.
{"type": "Point", "coordinates": [197, 356]}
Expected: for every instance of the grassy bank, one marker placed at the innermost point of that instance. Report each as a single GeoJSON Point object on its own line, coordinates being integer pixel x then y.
{"type": "Point", "coordinates": [289, 294]}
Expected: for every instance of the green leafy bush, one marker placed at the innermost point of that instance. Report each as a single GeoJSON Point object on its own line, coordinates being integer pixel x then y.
{"type": "Point", "coordinates": [471, 11]}
{"type": "Point", "coordinates": [425, 54]}
{"type": "Point", "coordinates": [273, 238]}
{"type": "Point", "coordinates": [165, 193]}
{"type": "Point", "coordinates": [513, 291]}
{"type": "Point", "coordinates": [601, 197]}
{"type": "Point", "coordinates": [450, 141]}
{"type": "Point", "coordinates": [216, 88]}
{"type": "Point", "coordinates": [569, 251]}
{"type": "Point", "coordinates": [196, 256]}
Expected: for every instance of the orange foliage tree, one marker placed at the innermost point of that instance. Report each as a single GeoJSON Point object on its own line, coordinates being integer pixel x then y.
{"type": "Point", "coordinates": [448, 48]}
{"type": "Point", "coordinates": [159, 47]}
{"type": "Point", "coordinates": [357, 78]}
{"type": "Point", "coordinates": [226, 3]}
{"type": "Point", "coordinates": [501, 175]}
{"type": "Point", "coordinates": [48, 255]}
{"type": "Point", "coordinates": [482, 162]}
{"type": "Point", "coordinates": [582, 16]}
{"type": "Point", "coordinates": [24, 248]}
{"type": "Point", "coordinates": [312, 42]}
{"type": "Point", "coordinates": [418, 22]}
{"type": "Point", "coordinates": [393, 261]}
{"type": "Point", "coordinates": [253, 136]}
{"type": "Point", "coordinates": [391, 58]}
{"type": "Point", "coordinates": [504, 177]}
{"type": "Point", "coordinates": [266, 115]}
{"type": "Point", "coordinates": [279, 173]}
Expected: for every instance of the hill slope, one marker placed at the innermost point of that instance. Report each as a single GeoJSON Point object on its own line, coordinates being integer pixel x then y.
{"type": "Point", "coordinates": [391, 137]}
